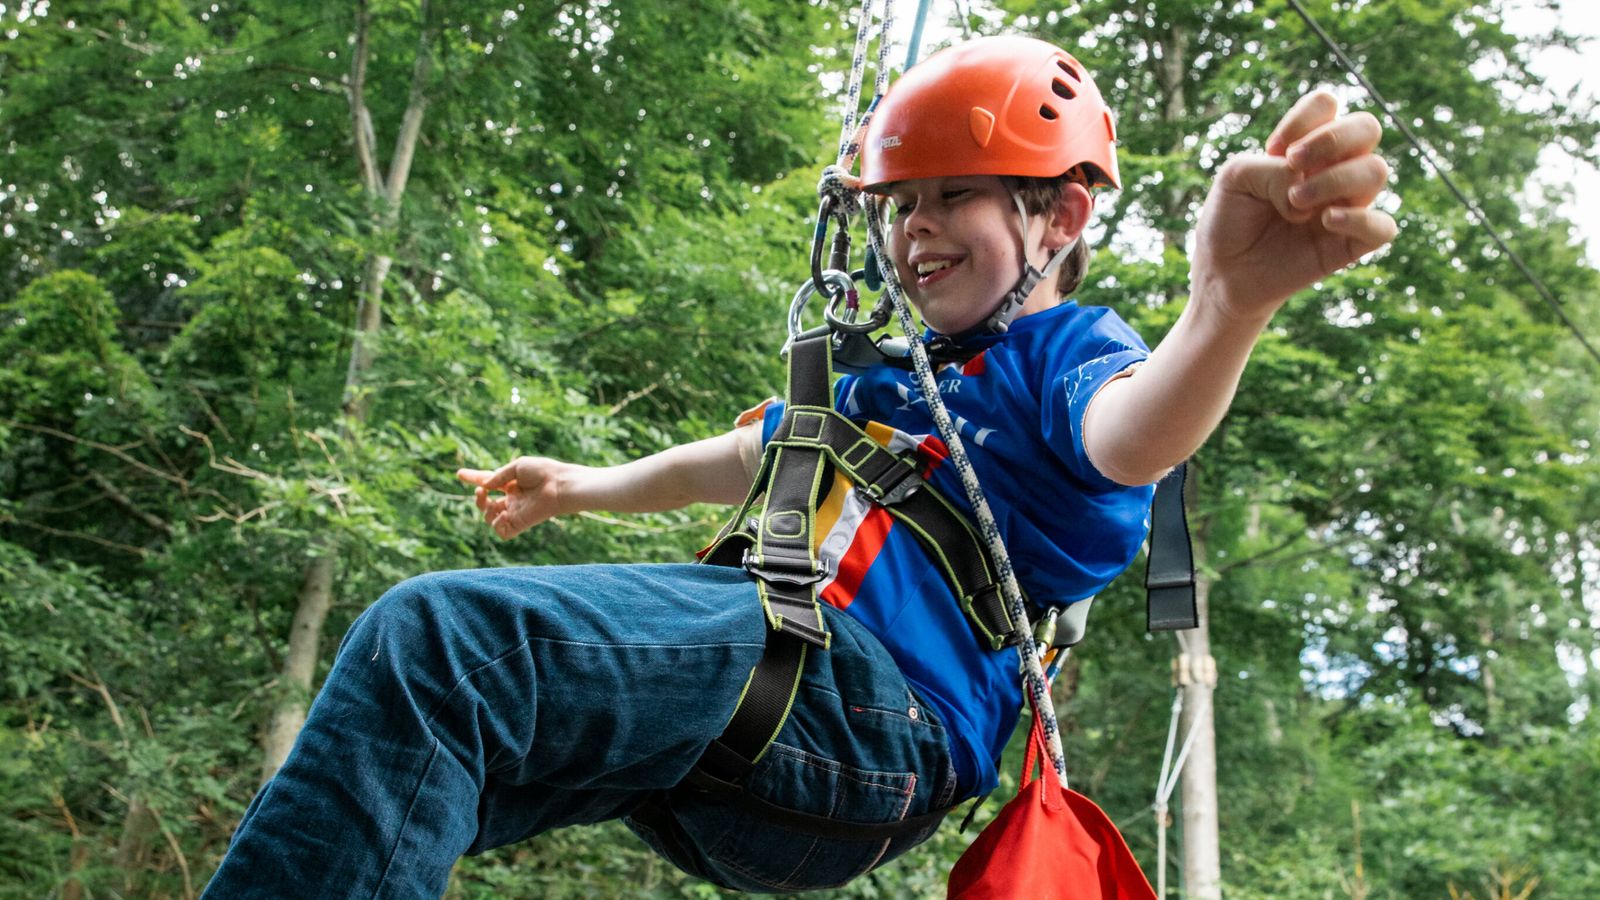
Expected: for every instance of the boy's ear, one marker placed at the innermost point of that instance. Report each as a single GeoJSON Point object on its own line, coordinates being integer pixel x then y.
{"type": "Point", "coordinates": [1069, 217]}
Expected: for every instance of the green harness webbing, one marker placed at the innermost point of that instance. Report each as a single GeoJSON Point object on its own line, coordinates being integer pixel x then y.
{"type": "Point", "coordinates": [812, 442]}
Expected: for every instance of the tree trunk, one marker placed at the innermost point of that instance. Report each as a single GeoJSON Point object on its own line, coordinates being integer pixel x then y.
{"type": "Point", "coordinates": [1170, 72]}
{"type": "Point", "coordinates": [1202, 866]}
{"type": "Point", "coordinates": [133, 846]}
{"type": "Point", "coordinates": [1486, 671]}
{"type": "Point", "coordinates": [299, 664]}
{"type": "Point", "coordinates": [385, 195]}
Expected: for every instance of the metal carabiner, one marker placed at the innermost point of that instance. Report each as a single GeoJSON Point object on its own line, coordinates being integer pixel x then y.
{"type": "Point", "coordinates": [845, 321]}
{"type": "Point", "coordinates": [833, 278]}
{"type": "Point", "coordinates": [839, 258]}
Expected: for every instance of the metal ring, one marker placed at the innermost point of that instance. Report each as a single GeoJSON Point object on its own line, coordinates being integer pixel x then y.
{"type": "Point", "coordinates": [832, 278]}
{"type": "Point", "coordinates": [878, 318]}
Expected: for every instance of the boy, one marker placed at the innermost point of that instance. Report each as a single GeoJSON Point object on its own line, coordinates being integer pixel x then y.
{"type": "Point", "coordinates": [469, 710]}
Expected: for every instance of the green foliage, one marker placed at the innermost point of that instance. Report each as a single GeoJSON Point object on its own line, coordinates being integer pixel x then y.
{"type": "Point", "coordinates": [608, 213]}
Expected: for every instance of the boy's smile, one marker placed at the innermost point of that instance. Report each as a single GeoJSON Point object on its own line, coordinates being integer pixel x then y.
{"type": "Point", "coordinates": [954, 242]}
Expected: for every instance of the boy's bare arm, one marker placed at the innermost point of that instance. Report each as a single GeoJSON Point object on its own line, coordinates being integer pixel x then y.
{"type": "Point", "coordinates": [531, 489]}
{"type": "Point", "coordinates": [1273, 224]}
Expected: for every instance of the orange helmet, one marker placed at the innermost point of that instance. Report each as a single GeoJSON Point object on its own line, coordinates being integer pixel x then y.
{"type": "Point", "coordinates": [992, 106]}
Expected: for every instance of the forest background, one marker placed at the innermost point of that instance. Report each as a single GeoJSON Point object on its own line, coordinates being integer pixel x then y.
{"type": "Point", "coordinates": [271, 271]}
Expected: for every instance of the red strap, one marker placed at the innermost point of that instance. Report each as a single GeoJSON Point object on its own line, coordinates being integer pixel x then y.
{"type": "Point", "coordinates": [1053, 797]}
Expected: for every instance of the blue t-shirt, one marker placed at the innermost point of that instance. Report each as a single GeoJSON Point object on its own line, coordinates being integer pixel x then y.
{"type": "Point", "coordinates": [1019, 407]}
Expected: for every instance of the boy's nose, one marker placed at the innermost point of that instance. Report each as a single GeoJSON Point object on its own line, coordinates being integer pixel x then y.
{"type": "Point", "coordinates": [920, 221]}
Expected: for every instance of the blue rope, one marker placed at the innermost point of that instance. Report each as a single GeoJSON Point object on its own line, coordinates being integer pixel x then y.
{"type": "Point", "coordinates": [916, 33]}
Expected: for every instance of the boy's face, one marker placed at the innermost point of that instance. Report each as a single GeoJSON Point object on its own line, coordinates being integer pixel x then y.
{"type": "Point", "coordinates": [954, 242]}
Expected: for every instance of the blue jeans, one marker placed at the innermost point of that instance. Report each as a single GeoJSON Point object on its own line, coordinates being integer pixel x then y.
{"type": "Point", "coordinates": [469, 710]}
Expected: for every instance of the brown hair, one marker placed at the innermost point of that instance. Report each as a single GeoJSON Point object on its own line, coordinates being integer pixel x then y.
{"type": "Point", "coordinates": [1039, 196]}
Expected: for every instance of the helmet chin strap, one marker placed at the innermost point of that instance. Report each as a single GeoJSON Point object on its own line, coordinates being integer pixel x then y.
{"type": "Point", "coordinates": [1012, 302]}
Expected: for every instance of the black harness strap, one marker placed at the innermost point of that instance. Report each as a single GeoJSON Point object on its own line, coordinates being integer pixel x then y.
{"type": "Point", "coordinates": [786, 570]}
{"type": "Point", "coordinates": [810, 445]}
{"type": "Point", "coordinates": [1169, 566]}
{"type": "Point", "coordinates": [894, 482]}
{"type": "Point", "coordinates": [812, 442]}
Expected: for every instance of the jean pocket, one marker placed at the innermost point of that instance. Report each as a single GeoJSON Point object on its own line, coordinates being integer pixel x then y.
{"type": "Point", "coordinates": [749, 854]}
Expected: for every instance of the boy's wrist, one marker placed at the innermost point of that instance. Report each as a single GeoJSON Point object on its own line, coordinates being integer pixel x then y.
{"type": "Point", "coordinates": [1229, 308]}
{"type": "Point", "coordinates": [574, 488]}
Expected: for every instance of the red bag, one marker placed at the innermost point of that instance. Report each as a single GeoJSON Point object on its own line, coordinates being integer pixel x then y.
{"type": "Point", "coordinates": [1049, 843]}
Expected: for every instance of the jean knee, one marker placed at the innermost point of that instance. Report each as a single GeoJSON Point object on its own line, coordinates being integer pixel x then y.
{"type": "Point", "coordinates": [400, 605]}
{"type": "Point", "coordinates": [419, 605]}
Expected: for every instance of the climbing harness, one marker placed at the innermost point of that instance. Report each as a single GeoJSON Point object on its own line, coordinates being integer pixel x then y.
{"type": "Point", "coordinates": [771, 534]}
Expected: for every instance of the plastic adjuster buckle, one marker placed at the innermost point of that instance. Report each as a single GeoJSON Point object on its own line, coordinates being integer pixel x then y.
{"type": "Point", "coordinates": [905, 483]}
{"type": "Point", "coordinates": [789, 570]}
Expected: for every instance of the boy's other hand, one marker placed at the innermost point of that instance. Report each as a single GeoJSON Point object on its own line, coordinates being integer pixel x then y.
{"type": "Point", "coordinates": [1275, 223]}
{"type": "Point", "coordinates": [518, 495]}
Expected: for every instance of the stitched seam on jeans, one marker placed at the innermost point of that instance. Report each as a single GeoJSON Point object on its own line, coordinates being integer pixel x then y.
{"type": "Point", "coordinates": [898, 716]}
{"type": "Point", "coordinates": [947, 796]}
{"type": "Point", "coordinates": [901, 818]}
{"type": "Point", "coordinates": [717, 645]}
{"type": "Point", "coordinates": [406, 820]}
{"type": "Point", "coordinates": [902, 783]}
{"type": "Point", "coordinates": [894, 781]}
{"type": "Point", "coordinates": [758, 877]}
{"type": "Point", "coordinates": [467, 676]}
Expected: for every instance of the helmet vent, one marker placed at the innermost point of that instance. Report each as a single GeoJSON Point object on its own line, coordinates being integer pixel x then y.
{"type": "Point", "coordinates": [1046, 112]}
{"type": "Point", "coordinates": [1067, 67]}
{"type": "Point", "coordinates": [1063, 89]}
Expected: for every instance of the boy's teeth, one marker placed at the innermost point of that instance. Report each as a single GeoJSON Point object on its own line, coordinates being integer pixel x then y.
{"type": "Point", "coordinates": [926, 268]}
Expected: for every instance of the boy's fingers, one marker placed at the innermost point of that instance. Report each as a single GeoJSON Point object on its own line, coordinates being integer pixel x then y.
{"type": "Point", "coordinates": [1354, 182]}
{"type": "Point", "coordinates": [1265, 178]}
{"type": "Point", "coordinates": [1344, 138]}
{"type": "Point", "coordinates": [504, 527]}
{"type": "Point", "coordinates": [494, 481]}
{"type": "Point", "coordinates": [1365, 230]}
{"type": "Point", "coordinates": [1308, 113]}
{"type": "Point", "coordinates": [504, 478]}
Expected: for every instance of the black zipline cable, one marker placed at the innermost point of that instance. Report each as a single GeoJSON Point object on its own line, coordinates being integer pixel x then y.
{"type": "Point", "coordinates": [1478, 215]}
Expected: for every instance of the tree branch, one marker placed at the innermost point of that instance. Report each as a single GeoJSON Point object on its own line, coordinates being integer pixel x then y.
{"type": "Point", "coordinates": [114, 451]}
{"type": "Point", "coordinates": [360, 116]}
{"type": "Point", "coordinates": [93, 539]}
{"type": "Point", "coordinates": [124, 501]}
{"type": "Point", "coordinates": [405, 143]}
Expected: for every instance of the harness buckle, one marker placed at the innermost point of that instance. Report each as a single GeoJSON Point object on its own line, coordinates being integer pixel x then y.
{"type": "Point", "coordinates": [784, 569]}
{"type": "Point", "coordinates": [906, 482]}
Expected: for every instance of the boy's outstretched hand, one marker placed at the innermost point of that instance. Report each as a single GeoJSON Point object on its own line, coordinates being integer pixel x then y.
{"type": "Point", "coordinates": [1277, 222]}
{"type": "Point", "coordinates": [527, 493]}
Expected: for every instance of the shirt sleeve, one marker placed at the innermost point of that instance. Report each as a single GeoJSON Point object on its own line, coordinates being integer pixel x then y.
{"type": "Point", "coordinates": [770, 417]}
{"type": "Point", "coordinates": [1091, 358]}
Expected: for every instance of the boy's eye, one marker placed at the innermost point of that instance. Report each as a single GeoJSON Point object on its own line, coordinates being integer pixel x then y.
{"type": "Point", "coordinates": [956, 193]}
{"type": "Point", "coordinates": [902, 209]}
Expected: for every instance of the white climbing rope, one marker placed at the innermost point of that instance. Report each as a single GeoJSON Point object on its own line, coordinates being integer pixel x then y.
{"type": "Point", "coordinates": [845, 190]}
{"type": "Point", "coordinates": [1167, 782]}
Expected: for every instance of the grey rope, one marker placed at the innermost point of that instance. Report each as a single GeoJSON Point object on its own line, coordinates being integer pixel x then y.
{"type": "Point", "coordinates": [1167, 782]}
{"type": "Point", "coordinates": [858, 68]}
{"type": "Point", "coordinates": [1033, 673]}
{"type": "Point", "coordinates": [836, 182]}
